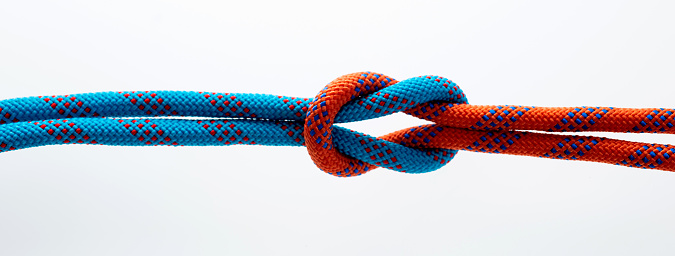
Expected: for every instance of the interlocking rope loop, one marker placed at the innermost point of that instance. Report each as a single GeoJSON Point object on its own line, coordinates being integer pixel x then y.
{"type": "Point", "coordinates": [121, 118]}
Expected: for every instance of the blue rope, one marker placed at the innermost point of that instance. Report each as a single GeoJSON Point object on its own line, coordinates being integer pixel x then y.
{"type": "Point", "coordinates": [232, 119]}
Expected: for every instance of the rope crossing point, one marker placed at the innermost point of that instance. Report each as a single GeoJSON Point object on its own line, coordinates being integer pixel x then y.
{"type": "Point", "coordinates": [120, 118]}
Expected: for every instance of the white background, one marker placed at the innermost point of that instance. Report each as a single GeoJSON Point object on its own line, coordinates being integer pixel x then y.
{"type": "Point", "coordinates": [254, 200]}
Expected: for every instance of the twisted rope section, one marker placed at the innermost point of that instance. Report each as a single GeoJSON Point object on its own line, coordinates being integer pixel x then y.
{"type": "Point", "coordinates": [563, 147]}
{"type": "Point", "coordinates": [327, 104]}
{"type": "Point", "coordinates": [549, 119]}
{"type": "Point", "coordinates": [258, 119]}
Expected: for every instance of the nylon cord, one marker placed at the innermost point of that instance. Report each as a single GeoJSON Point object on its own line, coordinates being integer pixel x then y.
{"type": "Point", "coordinates": [120, 118]}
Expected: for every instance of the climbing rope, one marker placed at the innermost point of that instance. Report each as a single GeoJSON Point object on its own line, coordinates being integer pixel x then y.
{"type": "Point", "coordinates": [121, 118]}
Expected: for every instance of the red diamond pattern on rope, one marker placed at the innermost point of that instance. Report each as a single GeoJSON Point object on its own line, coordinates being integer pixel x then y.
{"type": "Point", "coordinates": [6, 117]}
{"type": "Point", "coordinates": [65, 131]}
{"type": "Point", "coordinates": [150, 102]}
{"type": "Point", "coordinates": [226, 132]}
{"type": "Point", "coordinates": [69, 106]}
{"type": "Point", "coordinates": [147, 132]}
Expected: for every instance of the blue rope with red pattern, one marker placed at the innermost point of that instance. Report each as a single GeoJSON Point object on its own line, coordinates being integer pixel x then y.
{"type": "Point", "coordinates": [121, 118]}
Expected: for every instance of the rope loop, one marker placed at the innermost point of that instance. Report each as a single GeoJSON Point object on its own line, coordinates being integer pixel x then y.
{"type": "Point", "coordinates": [376, 95]}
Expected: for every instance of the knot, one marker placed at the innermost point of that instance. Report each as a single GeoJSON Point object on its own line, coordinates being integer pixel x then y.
{"type": "Point", "coordinates": [372, 95]}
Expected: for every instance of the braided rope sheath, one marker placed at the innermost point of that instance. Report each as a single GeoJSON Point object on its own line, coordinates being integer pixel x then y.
{"type": "Point", "coordinates": [231, 119]}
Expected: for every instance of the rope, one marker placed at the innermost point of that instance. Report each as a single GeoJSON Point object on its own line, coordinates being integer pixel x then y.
{"type": "Point", "coordinates": [121, 118]}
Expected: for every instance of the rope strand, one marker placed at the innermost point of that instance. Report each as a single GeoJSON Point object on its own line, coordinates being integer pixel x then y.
{"type": "Point", "coordinates": [259, 119]}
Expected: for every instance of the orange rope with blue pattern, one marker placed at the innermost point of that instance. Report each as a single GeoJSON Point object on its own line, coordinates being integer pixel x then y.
{"type": "Point", "coordinates": [498, 129]}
